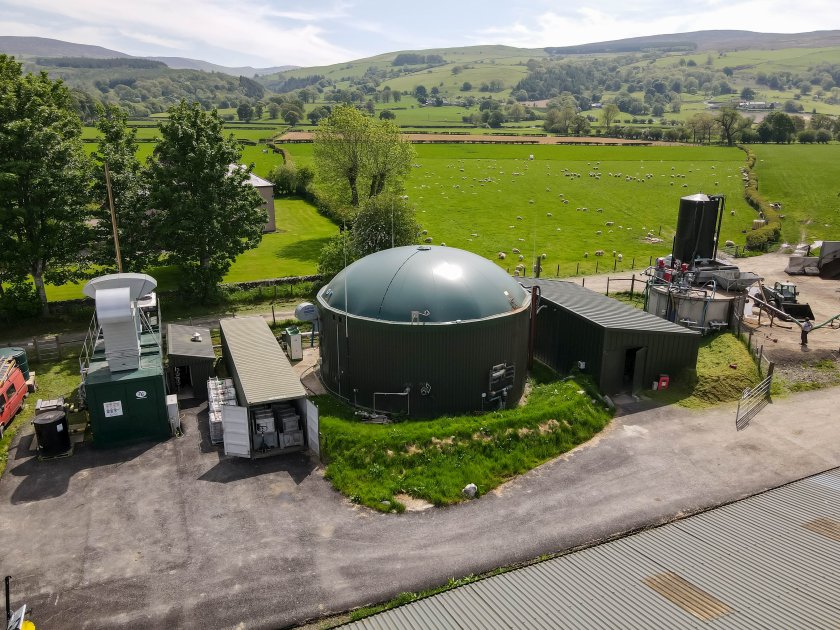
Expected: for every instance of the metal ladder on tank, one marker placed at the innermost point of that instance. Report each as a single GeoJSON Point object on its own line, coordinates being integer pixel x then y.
{"type": "Point", "coordinates": [88, 348]}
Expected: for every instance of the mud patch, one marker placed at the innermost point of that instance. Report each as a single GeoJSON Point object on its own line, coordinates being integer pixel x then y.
{"type": "Point", "coordinates": [413, 504]}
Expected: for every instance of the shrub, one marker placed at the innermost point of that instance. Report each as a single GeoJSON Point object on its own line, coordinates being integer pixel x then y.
{"type": "Point", "coordinates": [770, 233]}
{"type": "Point", "coordinates": [19, 300]}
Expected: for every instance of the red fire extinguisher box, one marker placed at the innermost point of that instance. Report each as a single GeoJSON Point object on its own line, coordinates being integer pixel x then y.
{"type": "Point", "coordinates": [664, 381]}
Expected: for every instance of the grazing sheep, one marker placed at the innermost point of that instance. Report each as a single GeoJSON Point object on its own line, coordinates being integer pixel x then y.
{"type": "Point", "coordinates": [599, 232]}
{"type": "Point", "coordinates": [732, 213]}
{"type": "Point", "coordinates": [424, 232]}
{"type": "Point", "coordinates": [548, 214]}
{"type": "Point", "coordinates": [543, 256]}
{"type": "Point", "coordinates": [443, 244]}
{"type": "Point", "coordinates": [502, 255]}
{"type": "Point", "coordinates": [521, 257]}
{"type": "Point", "coordinates": [428, 239]}
{"type": "Point", "coordinates": [730, 243]}
{"type": "Point", "coordinates": [586, 254]}
{"type": "Point", "coordinates": [599, 252]}
{"type": "Point", "coordinates": [516, 250]}
{"type": "Point", "coordinates": [610, 223]}
{"type": "Point", "coordinates": [614, 253]}
{"type": "Point", "coordinates": [518, 218]}
{"type": "Point", "coordinates": [620, 258]}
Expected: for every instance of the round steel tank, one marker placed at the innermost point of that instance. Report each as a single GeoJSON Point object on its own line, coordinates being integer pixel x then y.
{"type": "Point", "coordinates": [19, 355]}
{"type": "Point", "coordinates": [424, 331]}
{"type": "Point", "coordinates": [53, 433]}
{"type": "Point", "coordinates": [696, 228]}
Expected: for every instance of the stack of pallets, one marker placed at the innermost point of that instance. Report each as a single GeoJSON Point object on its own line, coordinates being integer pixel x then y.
{"type": "Point", "coordinates": [219, 393]}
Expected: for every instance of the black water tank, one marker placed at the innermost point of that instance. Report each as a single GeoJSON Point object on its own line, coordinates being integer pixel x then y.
{"type": "Point", "coordinates": [53, 433]}
{"type": "Point", "coordinates": [696, 228]}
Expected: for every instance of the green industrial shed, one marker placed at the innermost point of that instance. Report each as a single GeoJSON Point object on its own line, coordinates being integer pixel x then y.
{"type": "Point", "coordinates": [625, 349]}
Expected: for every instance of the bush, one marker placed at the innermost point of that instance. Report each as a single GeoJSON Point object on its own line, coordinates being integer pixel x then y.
{"type": "Point", "coordinates": [808, 136]}
{"type": "Point", "coordinates": [770, 233]}
{"type": "Point", "coordinates": [19, 300]}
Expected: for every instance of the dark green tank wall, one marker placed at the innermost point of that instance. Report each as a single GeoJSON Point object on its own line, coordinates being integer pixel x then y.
{"type": "Point", "coordinates": [446, 367]}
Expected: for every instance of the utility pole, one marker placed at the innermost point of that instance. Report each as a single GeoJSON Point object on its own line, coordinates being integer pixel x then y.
{"type": "Point", "coordinates": [113, 218]}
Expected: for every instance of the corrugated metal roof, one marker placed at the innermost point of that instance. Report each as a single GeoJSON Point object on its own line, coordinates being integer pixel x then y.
{"type": "Point", "coordinates": [254, 180]}
{"type": "Point", "coordinates": [179, 342]}
{"type": "Point", "coordinates": [757, 563]}
{"type": "Point", "coordinates": [263, 369]}
{"type": "Point", "coordinates": [258, 182]}
{"type": "Point", "coordinates": [602, 310]}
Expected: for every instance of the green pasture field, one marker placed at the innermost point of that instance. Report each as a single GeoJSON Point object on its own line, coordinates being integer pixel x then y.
{"type": "Point", "coordinates": [292, 250]}
{"type": "Point", "coordinates": [491, 199]}
{"type": "Point", "coordinates": [806, 180]}
{"type": "Point", "coordinates": [460, 190]}
{"type": "Point", "coordinates": [508, 71]}
{"type": "Point", "coordinates": [453, 204]}
{"type": "Point", "coordinates": [480, 57]}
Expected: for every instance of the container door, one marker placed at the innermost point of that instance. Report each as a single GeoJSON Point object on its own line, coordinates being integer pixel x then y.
{"type": "Point", "coordinates": [236, 436]}
{"type": "Point", "coordinates": [639, 369]}
{"type": "Point", "coordinates": [312, 428]}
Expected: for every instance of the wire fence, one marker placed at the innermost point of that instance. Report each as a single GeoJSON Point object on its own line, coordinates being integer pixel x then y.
{"type": "Point", "coordinates": [746, 333]}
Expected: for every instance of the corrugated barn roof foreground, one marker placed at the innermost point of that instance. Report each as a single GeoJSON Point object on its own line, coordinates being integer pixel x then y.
{"type": "Point", "coordinates": [769, 561]}
{"type": "Point", "coordinates": [601, 309]}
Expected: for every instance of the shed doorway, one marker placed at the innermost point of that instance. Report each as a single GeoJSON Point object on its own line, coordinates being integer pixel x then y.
{"type": "Point", "coordinates": [634, 369]}
{"type": "Point", "coordinates": [183, 382]}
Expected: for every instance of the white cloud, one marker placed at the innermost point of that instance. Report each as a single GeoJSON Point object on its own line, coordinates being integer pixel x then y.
{"type": "Point", "coordinates": [613, 20]}
{"type": "Point", "coordinates": [223, 32]}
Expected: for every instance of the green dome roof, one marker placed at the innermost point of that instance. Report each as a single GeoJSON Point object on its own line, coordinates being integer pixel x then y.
{"type": "Point", "coordinates": [441, 284]}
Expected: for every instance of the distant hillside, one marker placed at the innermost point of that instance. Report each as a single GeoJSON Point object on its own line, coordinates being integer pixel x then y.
{"type": "Point", "coordinates": [705, 40]}
{"type": "Point", "coordinates": [45, 48]}
{"type": "Point", "coordinates": [183, 63]}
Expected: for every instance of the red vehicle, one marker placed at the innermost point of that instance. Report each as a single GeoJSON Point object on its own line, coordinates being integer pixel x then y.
{"type": "Point", "coordinates": [12, 392]}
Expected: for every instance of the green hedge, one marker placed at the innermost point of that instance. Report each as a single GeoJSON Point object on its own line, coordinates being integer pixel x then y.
{"type": "Point", "coordinates": [770, 233]}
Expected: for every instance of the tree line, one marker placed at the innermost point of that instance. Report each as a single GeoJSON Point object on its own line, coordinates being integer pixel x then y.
{"type": "Point", "coordinates": [186, 206]}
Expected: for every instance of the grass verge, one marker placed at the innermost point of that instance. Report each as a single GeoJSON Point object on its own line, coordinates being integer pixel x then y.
{"type": "Point", "coordinates": [434, 459]}
{"type": "Point", "coordinates": [725, 369]}
{"type": "Point", "coordinates": [54, 380]}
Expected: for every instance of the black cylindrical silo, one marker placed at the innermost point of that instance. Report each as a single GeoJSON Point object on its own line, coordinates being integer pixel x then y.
{"type": "Point", "coordinates": [696, 228]}
{"type": "Point", "coordinates": [53, 433]}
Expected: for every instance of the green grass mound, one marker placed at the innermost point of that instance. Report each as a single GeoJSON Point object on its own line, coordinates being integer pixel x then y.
{"type": "Point", "coordinates": [724, 370]}
{"type": "Point", "coordinates": [434, 459]}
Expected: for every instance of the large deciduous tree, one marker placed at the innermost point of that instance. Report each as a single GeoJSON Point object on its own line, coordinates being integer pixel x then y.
{"type": "Point", "coordinates": [730, 123]}
{"type": "Point", "coordinates": [207, 211]}
{"type": "Point", "coordinates": [609, 113]}
{"type": "Point", "coordinates": [355, 153]}
{"type": "Point", "coordinates": [382, 222]}
{"type": "Point", "coordinates": [44, 190]}
{"type": "Point", "coordinates": [118, 149]}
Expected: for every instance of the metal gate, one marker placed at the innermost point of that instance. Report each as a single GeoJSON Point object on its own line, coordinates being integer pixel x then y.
{"type": "Point", "coordinates": [753, 401]}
